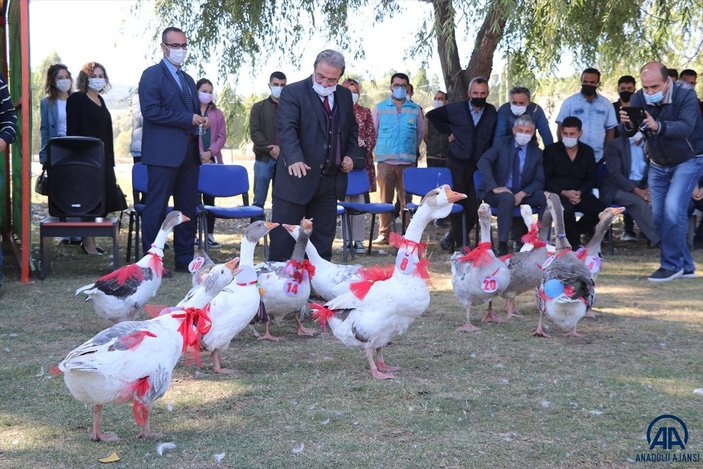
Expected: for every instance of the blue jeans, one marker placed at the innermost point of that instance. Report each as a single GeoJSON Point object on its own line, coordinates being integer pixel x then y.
{"type": "Point", "coordinates": [670, 189]}
{"type": "Point", "coordinates": [263, 173]}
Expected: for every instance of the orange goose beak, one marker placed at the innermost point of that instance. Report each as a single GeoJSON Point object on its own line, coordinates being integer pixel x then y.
{"type": "Point", "coordinates": [232, 265]}
{"type": "Point", "coordinates": [453, 196]}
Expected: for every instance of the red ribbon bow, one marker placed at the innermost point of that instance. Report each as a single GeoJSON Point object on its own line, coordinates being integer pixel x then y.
{"type": "Point", "coordinates": [157, 264]}
{"type": "Point", "coordinates": [196, 323]}
{"type": "Point", "coordinates": [369, 276]}
{"type": "Point", "coordinates": [479, 256]}
{"type": "Point", "coordinates": [300, 268]}
{"type": "Point", "coordinates": [398, 241]}
{"type": "Point", "coordinates": [582, 253]}
{"type": "Point", "coordinates": [532, 237]}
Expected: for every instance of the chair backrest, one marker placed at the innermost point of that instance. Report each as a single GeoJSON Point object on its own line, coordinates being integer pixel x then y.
{"type": "Point", "coordinates": [358, 182]}
{"type": "Point", "coordinates": [224, 180]}
{"type": "Point", "coordinates": [140, 178]}
{"type": "Point", "coordinates": [419, 181]}
{"type": "Point", "coordinates": [478, 180]}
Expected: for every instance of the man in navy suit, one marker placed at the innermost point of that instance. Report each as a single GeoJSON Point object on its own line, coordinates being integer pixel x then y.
{"type": "Point", "coordinates": [512, 175]}
{"type": "Point", "coordinates": [168, 100]}
{"type": "Point", "coordinates": [318, 139]}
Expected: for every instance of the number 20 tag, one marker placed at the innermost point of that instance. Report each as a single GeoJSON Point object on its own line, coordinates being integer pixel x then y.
{"type": "Point", "coordinates": [489, 284]}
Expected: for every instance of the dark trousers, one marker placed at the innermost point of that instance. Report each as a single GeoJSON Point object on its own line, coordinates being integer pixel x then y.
{"type": "Point", "coordinates": [463, 179]}
{"type": "Point", "coordinates": [436, 162]}
{"type": "Point", "coordinates": [590, 206]}
{"type": "Point", "coordinates": [182, 183]}
{"type": "Point", "coordinates": [322, 209]}
{"type": "Point", "coordinates": [210, 218]}
{"type": "Point", "coordinates": [504, 202]}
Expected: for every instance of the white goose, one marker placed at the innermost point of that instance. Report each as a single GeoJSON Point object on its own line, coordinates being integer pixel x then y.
{"type": "Point", "coordinates": [120, 295]}
{"type": "Point", "coordinates": [286, 285]}
{"type": "Point", "coordinates": [237, 304]}
{"type": "Point", "coordinates": [479, 276]}
{"type": "Point", "coordinates": [386, 308]}
{"type": "Point", "coordinates": [134, 360]}
{"type": "Point", "coordinates": [567, 290]}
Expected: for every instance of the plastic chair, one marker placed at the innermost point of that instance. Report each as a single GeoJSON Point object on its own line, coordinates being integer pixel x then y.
{"type": "Point", "coordinates": [419, 181]}
{"type": "Point", "coordinates": [358, 183]}
{"type": "Point", "coordinates": [225, 180]}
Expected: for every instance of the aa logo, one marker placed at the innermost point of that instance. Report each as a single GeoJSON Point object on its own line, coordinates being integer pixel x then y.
{"type": "Point", "coordinates": [668, 432]}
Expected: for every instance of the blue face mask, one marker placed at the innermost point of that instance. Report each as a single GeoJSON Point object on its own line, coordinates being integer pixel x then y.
{"type": "Point", "coordinates": [654, 98]}
{"type": "Point", "coordinates": [400, 93]}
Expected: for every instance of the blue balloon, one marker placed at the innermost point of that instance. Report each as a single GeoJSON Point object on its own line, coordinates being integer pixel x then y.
{"type": "Point", "coordinates": [553, 288]}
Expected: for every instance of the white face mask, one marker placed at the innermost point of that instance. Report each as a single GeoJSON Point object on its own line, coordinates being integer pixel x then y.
{"type": "Point", "coordinates": [96, 84]}
{"type": "Point", "coordinates": [276, 91]}
{"type": "Point", "coordinates": [355, 98]}
{"type": "Point", "coordinates": [570, 142]}
{"type": "Point", "coordinates": [63, 84]}
{"type": "Point", "coordinates": [205, 98]}
{"type": "Point", "coordinates": [177, 56]}
{"type": "Point", "coordinates": [437, 103]}
{"type": "Point", "coordinates": [323, 90]}
{"type": "Point", "coordinates": [522, 139]}
{"type": "Point", "coordinates": [636, 138]}
{"type": "Point", "coordinates": [517, 110]}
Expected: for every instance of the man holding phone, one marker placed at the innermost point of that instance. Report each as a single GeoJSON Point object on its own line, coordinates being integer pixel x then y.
{"type": "Point", "coordinates": [674, 142]}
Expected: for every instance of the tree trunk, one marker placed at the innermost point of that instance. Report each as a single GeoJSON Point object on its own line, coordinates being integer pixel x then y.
{"type": "Point", "coordinates": [487, 39]}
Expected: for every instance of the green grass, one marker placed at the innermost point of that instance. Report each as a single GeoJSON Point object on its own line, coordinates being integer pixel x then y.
{"type": "Point", "coordinates": [498, 398]}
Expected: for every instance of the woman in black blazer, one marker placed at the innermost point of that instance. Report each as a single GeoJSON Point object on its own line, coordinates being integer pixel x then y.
{"type": "Point", "coordinates": [87, 115]}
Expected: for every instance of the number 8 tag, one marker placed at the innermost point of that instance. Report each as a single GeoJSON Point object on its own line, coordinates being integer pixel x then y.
{"type": "Point", "coordinates": [489, 284]}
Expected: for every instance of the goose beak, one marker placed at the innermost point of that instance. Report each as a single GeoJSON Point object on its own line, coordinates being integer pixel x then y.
{"type": "Point", "coordinates": [235, 272]}
{"type": "Point", "coordinates": [619, 211]}
{"type": "Point", "coordinates": [289, 228]}
{"type": "Point", "coordinates": [185, 218]}
{"type": "Point", "coordinates": [306, 224]}
{"type": "Point", "coordinates": [232, 265]}
{"type": "Point", "coordinates": [453, 196]}
{"type": "Point", "coordinates": [271, 225]}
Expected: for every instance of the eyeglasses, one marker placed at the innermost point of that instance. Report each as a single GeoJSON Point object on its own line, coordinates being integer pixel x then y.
{"type": "Point", "coordinates": [405, 87]}
{"type": "Point", "coordinates": [176, 46]}
{"type": "Point", "coordinates": [321, 78]}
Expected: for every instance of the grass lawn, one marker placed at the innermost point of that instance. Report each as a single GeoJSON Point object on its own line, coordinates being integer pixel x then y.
{"type": "Point", "coordinates": [498, 398]}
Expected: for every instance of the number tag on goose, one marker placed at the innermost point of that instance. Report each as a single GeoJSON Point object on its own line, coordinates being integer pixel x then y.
{"type": "Point", "coordinates": [547, 262]}
{"type": "Point", "coordinates": [489, 284]}
{"type": "Point", "coordinates": [593, 263]}
{"type": "Point", "coordinates": [406, 262]}
{"type": "Point", "coordinates": [291, 288]}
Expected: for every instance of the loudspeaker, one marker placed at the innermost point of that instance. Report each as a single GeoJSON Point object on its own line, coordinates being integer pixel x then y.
{"type": "Point", "coordinates": [76, 177]}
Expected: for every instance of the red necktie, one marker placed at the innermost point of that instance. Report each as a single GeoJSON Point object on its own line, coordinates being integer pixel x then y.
{"type": "Point", "coordinates": [326, 104]}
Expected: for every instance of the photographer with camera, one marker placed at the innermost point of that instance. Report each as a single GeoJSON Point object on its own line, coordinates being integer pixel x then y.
{"type": "Point", "coordinates": [673, 130]}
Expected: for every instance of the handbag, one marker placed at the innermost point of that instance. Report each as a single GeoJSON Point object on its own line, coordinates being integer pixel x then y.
{"type": "Point", "coordinates": [41, 186]}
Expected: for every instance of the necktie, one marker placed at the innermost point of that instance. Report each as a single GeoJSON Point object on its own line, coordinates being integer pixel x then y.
{"type": "Point", "coordinates": [326, 104]}
{"type": "Point", "coordinates": [186, 90]}
{"type": "Point", "coordinates": [516, 171]}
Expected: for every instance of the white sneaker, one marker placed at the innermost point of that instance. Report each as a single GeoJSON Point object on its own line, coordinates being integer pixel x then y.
{"type": "Point", "coordinates": [628, 237]}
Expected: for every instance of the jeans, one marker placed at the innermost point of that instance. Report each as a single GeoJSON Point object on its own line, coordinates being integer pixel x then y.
{"type": "Point", "coordinates": [263, 173]}
{"type": "Point", "coordinates": [670, 189]}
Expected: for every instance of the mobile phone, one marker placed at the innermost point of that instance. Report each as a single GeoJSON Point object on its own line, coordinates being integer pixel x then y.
{"type": "Point", "coordinates": [636, 115]}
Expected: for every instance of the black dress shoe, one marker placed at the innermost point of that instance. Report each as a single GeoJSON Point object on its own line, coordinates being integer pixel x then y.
{"type": "Point", "coordinates": [182, 269]}
{"type": "Point", "coordinates": [446, 242]}
{"type": "Point", "coordinates": [98, 250]}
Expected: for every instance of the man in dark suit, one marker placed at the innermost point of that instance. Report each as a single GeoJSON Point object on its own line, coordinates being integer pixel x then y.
{"type": "Point", "coordinates": [470, 125]}
{"type": "Point", "coordinates": [168, 100]}
{"type": "Point", "coordinates": [512, 174]}
{"type": "Point", "coordinates": [625, 181]}
{"type": "Point", "coordinates": [318, 138]}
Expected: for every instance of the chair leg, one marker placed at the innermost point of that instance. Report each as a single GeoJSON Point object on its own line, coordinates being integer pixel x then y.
{"type": "Point", "coordinates": [129, 237]}
{"type": "Point", "coordinates": [463, 230]}
{"type": "Point", "coordinates": [344, 238]}
{"type": "Point", "coordinates": [203, 233]}
{"type": "Point", "coordinates": [137, 238]}
{"type": "Point", "coordinates": [610, 240]}
{"type": "Point", "coordinates": [266, 247]}
{"type": "Point", "coordinates": [373, 224]}
{"type": "Point", "coordinates": [348, 227]}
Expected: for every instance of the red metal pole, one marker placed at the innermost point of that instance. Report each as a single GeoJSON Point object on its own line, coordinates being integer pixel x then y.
{"type": "Point", "coordinates": [26, 155]}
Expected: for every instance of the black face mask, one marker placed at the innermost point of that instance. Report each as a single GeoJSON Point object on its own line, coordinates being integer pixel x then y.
{"type": "Point", "coordinates": [588, 90]}
{"type": "Point", "coordinates": [478, 102]}
{"type": "Point", "coordinates": [625, 96]}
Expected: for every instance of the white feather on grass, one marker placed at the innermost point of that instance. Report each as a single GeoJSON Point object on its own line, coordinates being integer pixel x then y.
{"type": "Point", "coordinates": [161, 447]}
{"type": "Point", "coordinates": [219, 457]}
{"type": "Point", "coordinates": [299, 449]}
{"type": "Point", "coordinates": [698, 391]}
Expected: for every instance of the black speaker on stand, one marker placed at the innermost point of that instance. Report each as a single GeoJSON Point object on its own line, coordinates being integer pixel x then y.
{"type": "Point", "coordinates": [76, 176]}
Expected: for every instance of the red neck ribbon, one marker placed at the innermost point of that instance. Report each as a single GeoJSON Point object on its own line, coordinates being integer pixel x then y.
{"type": "Point", "coordinates": [399, 241]}
{"type": "Point", "coordinates": [157, 264]}
{"type": "Point", "coordinates": [479, 256]}
{"type": "Point", "coordinates": [582, 253]}
{"type": "Point", "coordinates": [301, 267]}
{"type": "Point", "coordinates": [196, 323]}
{"type": "Point", "coordinates": [532, 238]}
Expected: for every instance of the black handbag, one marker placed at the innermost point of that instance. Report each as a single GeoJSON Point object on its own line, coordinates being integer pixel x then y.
{"type": "Point", "coordinates": [41, 186]}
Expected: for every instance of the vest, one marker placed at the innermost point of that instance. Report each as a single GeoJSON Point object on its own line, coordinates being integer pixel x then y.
{"type": "Point", "coordinates": [397, 132]}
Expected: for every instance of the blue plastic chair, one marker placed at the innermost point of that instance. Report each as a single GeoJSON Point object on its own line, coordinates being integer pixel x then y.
{"type": "Point", "coordinates": [358, 183]}
{"type": "Point", "coordinates": [419, 181]}
{"type": "Point", "coordinates": [225, 180]}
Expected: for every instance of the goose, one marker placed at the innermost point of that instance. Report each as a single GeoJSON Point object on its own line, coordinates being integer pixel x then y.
{"type": "Point", "coordinates": [134, 360]}
{"type": "Point", "coordinates": [369, 317]}
{"type": "Point", "coordinates": [591, 253]}
{"type": "Point", "coordinates": [567, 290]}
{"type": "Point", "coordinates": [479, 276]}
{"type": "Point", "coordinates": [120, 295]}
{"type": "Point", "coordinates": [286, 285]}
{"type": "Point", "coordinates": [526, 266]}
{"type": "Point", "coordinates": [237, 304]}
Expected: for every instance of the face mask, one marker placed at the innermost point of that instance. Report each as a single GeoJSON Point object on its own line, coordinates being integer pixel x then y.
{"type": "Point", "coordinates": [636, 138]}
{"type": "Point", "coordinates": [400, 93]}
{"type": "Point", "coordinates": [63, 84]}
{"type": "Point", "coordinates": [517, 110]}
{"type": "Point", "coordinates": [478, 102]}
{"type": "Point", "coordinates": [205, 98]}
{"type": "Point", "coordinates": [323, 90]}
{"type": "Point", "coordinates": [625, 96]}
{"type": "Point", "coordinates": [355, 98]}
{"type": "Point", "coordinates": [569, 142]}
{"type": "Point", "coordinates": [588, 90]}
{"type": "Point", "coordinates": [437, 103]}
{"type": "Point", "coordinates": [522, 139]}
{"type": "Point", "coordinates": [276, 91]}
{"type": "Point", "coordinates": [177, 56]}
{"type": "Point", "coordinates": [654, 98]}
{"type": "Point", "coordinates": [96, 84]}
